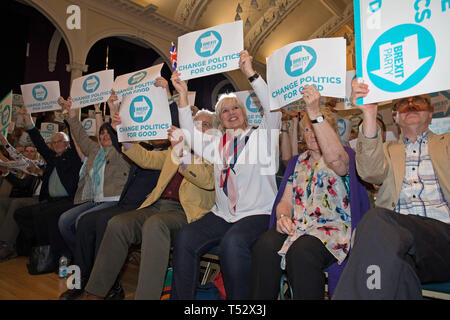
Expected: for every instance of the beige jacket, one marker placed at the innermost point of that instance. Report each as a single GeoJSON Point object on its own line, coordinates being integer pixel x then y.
{"type": "Point", "coordinates": [384, 164]}
{"type": "Point", "coordinates": [116, 167]}
{"type": "Point", "coordinates": [197, 195]}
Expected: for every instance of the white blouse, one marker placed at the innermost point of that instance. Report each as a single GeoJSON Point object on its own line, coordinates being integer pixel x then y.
{"type": "Point", "coordinates": [255, 168]}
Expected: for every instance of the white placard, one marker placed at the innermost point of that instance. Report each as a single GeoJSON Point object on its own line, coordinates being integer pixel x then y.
{"type": "Point", "coordinates": [91, 89]}
{"type": "Point", "coordinates": [210, 51]}
{"type": "Point", "coordinates": [90, 126]}
{"type": "Point", "coordinates": [440, 125]}
{"type": "Point", "coordinates": [345, 104]}
{"type": "Point", "coordinates": [48, 129]}
{"type": "Point", "coordinates": [191, 98]}
{"type": "Point", "coordinates": [5, 113]}
{"type": "Point", "coordinates": [402, 47]}
{"type": "Point", "coordinates": [136, 82]}
{"type": "Point", "coordinates": [41, 96]}
{"type": "Point", "coordinates": [252, 106]}
{"type": "Point", "coordinates": [319, 62]}
{"type": "Point", "coordinates": [145, 115]}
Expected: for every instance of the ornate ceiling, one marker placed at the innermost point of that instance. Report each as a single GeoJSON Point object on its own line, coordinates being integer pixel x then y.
{"type": "Point", "coordinates": [271, 24]}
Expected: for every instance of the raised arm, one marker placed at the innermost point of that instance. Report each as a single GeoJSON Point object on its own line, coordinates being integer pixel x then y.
{"type": "Point", "coordinates": [86, 145]}
{"type": "Point", "coordinates": [271, 119]}
{"type": "Point", "coordinates": [331, 147]}
{"type": "Point", "coordinates": [370, 159]}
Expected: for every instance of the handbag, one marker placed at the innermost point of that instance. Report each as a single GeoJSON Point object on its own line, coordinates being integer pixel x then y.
{"type": "Point", "coordinates": [42, 260]}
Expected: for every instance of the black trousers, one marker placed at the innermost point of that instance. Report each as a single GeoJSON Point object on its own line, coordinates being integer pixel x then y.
{"type": "Point", "coordinates": [305, 261]}
{"type": "Point", "coordinates": [39, 225]}
{"type": "Point", "coordinates": [89, 235]}
{"type": "Point", "coordinates": [393, 254]}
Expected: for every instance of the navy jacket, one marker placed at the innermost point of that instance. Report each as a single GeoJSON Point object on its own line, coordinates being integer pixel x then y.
{"type": "Point", "coordinates": [67, 165]}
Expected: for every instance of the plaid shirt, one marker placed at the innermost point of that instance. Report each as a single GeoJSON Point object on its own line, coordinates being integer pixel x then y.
{"type": "Point", "coordinates": [421, 193]}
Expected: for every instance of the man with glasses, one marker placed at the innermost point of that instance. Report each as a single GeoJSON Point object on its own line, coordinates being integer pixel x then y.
{"type": "Point", "coordinates": [39, 223]}
{"type": "Point", "coordinates": [404, 241]}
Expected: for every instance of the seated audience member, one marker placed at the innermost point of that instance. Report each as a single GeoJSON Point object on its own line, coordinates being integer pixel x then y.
{"type": "Point", "coordinates": [313, 216]}
{"type": "Point", "coordinates": [244, 191]}
{"type": "Point", "coordinates": [91, 227]}
{"type": "Point", "coordinates": [407, 235]}
{"type": "Point", "coordinates": [39, 223]}
{"type": "Point", "coordinates": [25, 192]}
{"type": "Point", "coordinates": [184, 193]}
{"type": "Point", "coordinates": [102, 177]}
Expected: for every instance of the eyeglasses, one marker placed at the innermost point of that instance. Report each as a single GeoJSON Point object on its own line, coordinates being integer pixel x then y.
{"type": "Point", "coordinates": [417, 101]}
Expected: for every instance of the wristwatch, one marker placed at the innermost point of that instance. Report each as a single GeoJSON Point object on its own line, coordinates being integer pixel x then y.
{"type": "Point", "coordinates": [253, 77]}
{"type": "Point", "coordinates": [319, 119]}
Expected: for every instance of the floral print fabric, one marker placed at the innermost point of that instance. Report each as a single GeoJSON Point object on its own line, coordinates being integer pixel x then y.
{"type": "Point", "coordinates": [321, 206]}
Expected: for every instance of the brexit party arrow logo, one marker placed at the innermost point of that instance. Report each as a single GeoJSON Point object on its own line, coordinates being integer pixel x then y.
{"type": "Point", "coordinates": [141, 109]}
{"type": "Point", "coordinates": [300, 60]}
{"type": "Point", "coordinates": [136, 78]}
{"type": "Point", "coordinates": [91, 84]}
{"type": "Point", "coordinates": [401, 58]}
{"type": "Point", "coordinates": [39, 92]}
{"type": "Point", "coordinates": [208, 44]}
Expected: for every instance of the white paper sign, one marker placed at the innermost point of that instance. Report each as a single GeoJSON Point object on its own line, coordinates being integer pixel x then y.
{"type": "Point", "coordinates": [136, 82]}
{"type": "Point", "coordinates": [91, 89]}
{"type": "Point", "coordinates": [440, 125]}
{"type": "Point", "coordinates": [48, 129]}
{"type": "Point", "coordinates": [145, 115]}
{"type": "Point", "coordinates": [319, 62]}
{"type": "Point", "coordinates": [41, 96]}
{"type": "Point", "coordinates": [90, 126]}
{"type": "Point", "coordinates": [5, 113]}
{"type": "Point", "coordinates": [345, 103]}
{"type": "Point", "coordinates": [402, 47]}
{"type": "Point", "coordinates": [252, 106]}
{"type": "Point", "coordinates": [210, 51]}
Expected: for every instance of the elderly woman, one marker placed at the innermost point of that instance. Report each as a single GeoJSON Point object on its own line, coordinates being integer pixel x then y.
{"type": "Point", "coordinates": [245, 189]}
{"type": "Point", "coordinates": [102, 176]}
{"type": "Point", "coordinates": [313, 225]}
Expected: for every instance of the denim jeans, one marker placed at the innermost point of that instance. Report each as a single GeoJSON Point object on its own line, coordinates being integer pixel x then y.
{"type": "Point", "coordinates": [68, 220]}
{"type": "Point", "coordinates": [235, 241]}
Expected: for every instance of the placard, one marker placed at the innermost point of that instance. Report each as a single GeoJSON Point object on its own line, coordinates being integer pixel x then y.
{"type": "Point", "coordinates": [402, 47]}
{"type": "Point", "coordinates": [48, 129]}
{"type": "Point", "coordinates": [91, 89]}
{"type": "Point", "coordinates": [41, 96]}
{"type": "Point", "coordinates": [319, 62]}
{"type": "Point", "coordinates": [90, 126]}
{"type": "Point", "coordinates": [210, 51]}
{"type": "Point", "coordinates": [136, 82]}
{"type": "Point", "coordinates": [5, 113]}
{"type": "Point", "coordinates": [252, 105]}
{"type": "Point", "coordinates": [145, 115]}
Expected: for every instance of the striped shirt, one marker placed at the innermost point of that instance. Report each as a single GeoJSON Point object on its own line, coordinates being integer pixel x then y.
{"type": "Point", "coordinates": [421, 193]}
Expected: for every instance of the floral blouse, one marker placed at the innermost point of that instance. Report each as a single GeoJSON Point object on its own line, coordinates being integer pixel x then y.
{"type": "Point", "coordinates": [321, 206]}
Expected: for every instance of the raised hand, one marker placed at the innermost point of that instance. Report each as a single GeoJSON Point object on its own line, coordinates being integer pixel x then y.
{"type": "Point", "coordinates": [115, 120]}
{"type": "Point", "coordinates": [245, 63]}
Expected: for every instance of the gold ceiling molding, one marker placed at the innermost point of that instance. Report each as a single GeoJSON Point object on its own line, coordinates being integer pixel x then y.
{"type": "Point", "coordinates": [267, 23]}
{"type": "Point", "coordinates": [189, 12]}
{"type": "Point", "coordinates": [335, 23]}
{"type": "Point", "coordinates": [147, 14]}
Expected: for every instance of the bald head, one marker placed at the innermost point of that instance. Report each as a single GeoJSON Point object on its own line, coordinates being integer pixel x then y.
{"type": "Point", "coordinates": [59, 142]}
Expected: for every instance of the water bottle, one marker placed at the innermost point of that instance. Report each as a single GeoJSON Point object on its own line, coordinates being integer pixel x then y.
{"type": "Point", "coordinates": [63, 267]}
